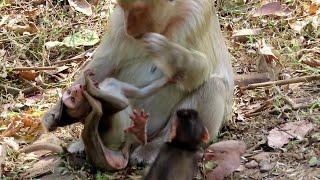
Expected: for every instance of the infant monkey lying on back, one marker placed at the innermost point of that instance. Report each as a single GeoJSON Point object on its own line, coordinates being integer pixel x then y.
{"type": "Point", "coordinates": [113, 93]}
{"type": "Point", "coordinates": [103, 106]}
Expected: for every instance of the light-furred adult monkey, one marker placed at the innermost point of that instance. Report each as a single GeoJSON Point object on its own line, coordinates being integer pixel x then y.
{"type": "Point", "coordinates": [147, 38]}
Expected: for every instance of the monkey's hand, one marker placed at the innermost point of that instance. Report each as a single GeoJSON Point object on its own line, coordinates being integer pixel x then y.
{"type": "Point", "coordinates": [156, 44]}
{"type": "Point", "coordinates": [138, 128]}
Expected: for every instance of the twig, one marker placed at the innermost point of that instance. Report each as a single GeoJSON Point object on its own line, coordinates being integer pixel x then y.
{"type": "Point", "coordinates": [257, 111]}
{"type": "Point", "coordinates": [251, 78]}
{"type": "Point", "coordinates": [68, 60]}
{"type": "Point", "coordinates": [76, 58]}
{"type": "Point", "coordinates": [282, 82]}
{"type": "Point", "coordinates": [54, 8]}
{"type": "Point", "coordinates": [302, 51]}
{"type": "Point", "coordinates": [294, 106]}
{"type": "Point", "coordinates": [311, 62]}
{"type": "Point", "coordinates": [34, 68]}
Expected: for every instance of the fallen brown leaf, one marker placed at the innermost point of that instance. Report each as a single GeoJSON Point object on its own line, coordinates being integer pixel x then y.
{"type": "Point", "coordinates": [273, 8]}
{"type": "Point", "coordinates": [28, 75]}
{"type": "Point", "coordinates": [226, 155]}
{"type": "Point", "coordinates": [82, 6]}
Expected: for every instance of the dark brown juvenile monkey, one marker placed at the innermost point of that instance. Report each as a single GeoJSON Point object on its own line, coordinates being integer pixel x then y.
{"type": "Point", "coordinates": [150, 39]}
{"type": "Point", "coordinates": [178, 159]}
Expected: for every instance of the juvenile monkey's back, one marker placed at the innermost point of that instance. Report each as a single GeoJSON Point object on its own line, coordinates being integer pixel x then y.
{"type": "Point", "coordinates": [173, 163]}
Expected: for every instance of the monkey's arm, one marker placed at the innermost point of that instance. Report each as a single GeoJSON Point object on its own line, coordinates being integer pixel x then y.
{"type": "Point", "coordinates": [172, 58]}
{"type": "Point", "coordinates": [131, 91]}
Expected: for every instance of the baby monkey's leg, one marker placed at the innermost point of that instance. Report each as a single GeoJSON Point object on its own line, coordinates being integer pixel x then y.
{"type": "Point", "coordinates": [138, 127]}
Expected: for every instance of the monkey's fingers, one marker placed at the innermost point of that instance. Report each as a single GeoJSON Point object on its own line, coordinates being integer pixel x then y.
{"type": "Point", "coordinates": [89, 72]}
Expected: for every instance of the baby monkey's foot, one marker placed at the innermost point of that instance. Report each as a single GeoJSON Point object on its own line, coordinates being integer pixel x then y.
{"type": "Point", "coordinates": [176, 78]}
{"type": "Point", "coordinates": [138, 127]}
{"type": "Point", "coordinates": [89, 80]}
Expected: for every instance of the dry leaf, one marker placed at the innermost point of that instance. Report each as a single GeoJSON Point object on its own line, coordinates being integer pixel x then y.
{"type": "Point", "coordinates": [312, 62]}
{"type": "Point", "coordinates": [273, 8]}
{"type": "Point", "coordinates": [30, 28]}
{"type": "Point", "coordinates": [242, 35]}
{"type": "Point", "coordinates": [309, 24]}
{"type": "Point", "coordinates": [45, 165]}
{"type": "Point", "coordinates": [28, 75]}
{"type": "Point", "coordinates": [313, 9]}
{"type": "Point", "coordinates": [246, 32]}
{"type": "Point", "coordinates": [81, 6]}
{"type": "Point", "coordinates": [278, 137]}
{"type": "Point", "coordinates": [11, 143]}
{"type": "Point", "coordinates": [226, 155]}
{"type": "Point", "coordinates": [266, 50]}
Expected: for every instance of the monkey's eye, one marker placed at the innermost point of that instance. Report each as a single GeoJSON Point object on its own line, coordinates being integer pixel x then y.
{"type": "Point", "coordinates": [68, 91]}
{"type": "Point", "coordinates": [73, 99]}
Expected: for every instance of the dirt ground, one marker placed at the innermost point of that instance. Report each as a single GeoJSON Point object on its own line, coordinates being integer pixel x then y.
{"type": "Point", "coordinates": [279, 124]}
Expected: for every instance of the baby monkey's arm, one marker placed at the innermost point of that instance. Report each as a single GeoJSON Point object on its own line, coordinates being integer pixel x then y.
{"type": "Point", "coordinates": [132, 91]}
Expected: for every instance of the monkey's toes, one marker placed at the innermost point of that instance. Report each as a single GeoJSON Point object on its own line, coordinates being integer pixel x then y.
{"type": "Point", "coordinates": [89, 72]}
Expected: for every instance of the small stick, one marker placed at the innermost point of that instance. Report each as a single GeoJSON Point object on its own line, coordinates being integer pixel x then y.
{"type": "Point", "coordinates": [282, 82]}
{"type": "Point", "coordinates": [251, 78]}
{"type": "Point", "coordinates": [68, 60]}
{"type": "Point", "coordinates": [79, 57]}
{"type": "Point", "coordinates": [34, 68]}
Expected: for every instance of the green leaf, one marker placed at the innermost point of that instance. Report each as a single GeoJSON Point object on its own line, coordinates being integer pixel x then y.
{"type": "Point", "coordinates": [313, 161]}
{"type": "Point", "coordinates": [85, 38]}
{"type": "Point", "coordinates": [316, 136]}
{"type": "Point", "coordinates": [210, 165]}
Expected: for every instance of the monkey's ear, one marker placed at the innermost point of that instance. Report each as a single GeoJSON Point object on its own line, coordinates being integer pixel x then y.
{"type": "Point", "coordinates": [173, 129]}
{"type": "Point", "coordinates": [205, 137]}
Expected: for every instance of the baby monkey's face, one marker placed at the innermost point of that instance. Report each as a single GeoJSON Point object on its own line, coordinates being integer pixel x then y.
{"type": "Point", "coordinates": [73, 96]}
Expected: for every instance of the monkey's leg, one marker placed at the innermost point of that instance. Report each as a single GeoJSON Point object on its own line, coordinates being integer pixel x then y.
{"type": "Point", "coordinates": [213, 101]}
{"type": "Point", "coordinates": [101, 91]}
{"type": "Point", "coordinates": [138, 128]}
{"type": "Point", "coordinates": [99, 155]}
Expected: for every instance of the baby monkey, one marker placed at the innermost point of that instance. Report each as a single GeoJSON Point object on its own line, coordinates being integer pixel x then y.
{"type": "Point", "coordinates": [114, 96]}
{"type": "Point", "coordinates": [178, 159]}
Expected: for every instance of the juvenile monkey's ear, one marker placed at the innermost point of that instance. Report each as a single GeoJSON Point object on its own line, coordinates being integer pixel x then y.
{"type": "Point", "coordinates": [173, 129]}
{"type": "Point", "coordinates": [205, 137]}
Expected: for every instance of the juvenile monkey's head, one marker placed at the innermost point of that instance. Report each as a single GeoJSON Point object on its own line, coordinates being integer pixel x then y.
{"type": "Point", "coordinates": [144, 16]}
{"type": "Point", "coordinates": [187, 129]}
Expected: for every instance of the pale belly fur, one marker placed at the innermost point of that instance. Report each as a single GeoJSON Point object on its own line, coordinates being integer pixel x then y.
{"type": "Point", "coordinates": [159, 105]}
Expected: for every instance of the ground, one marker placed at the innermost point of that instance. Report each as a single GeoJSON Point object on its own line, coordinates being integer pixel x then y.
{"type": "Point", "coordinates": [280, 40]}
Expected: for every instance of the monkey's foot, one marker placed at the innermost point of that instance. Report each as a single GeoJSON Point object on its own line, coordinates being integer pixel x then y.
{"type": "Point", "coordinates": [138, 128]}
{"type": "Point", "coordinates": [88, 74]}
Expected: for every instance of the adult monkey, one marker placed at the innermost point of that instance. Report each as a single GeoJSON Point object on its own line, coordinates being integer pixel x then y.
{"type": "Point", "coordinates": [147, 38]}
